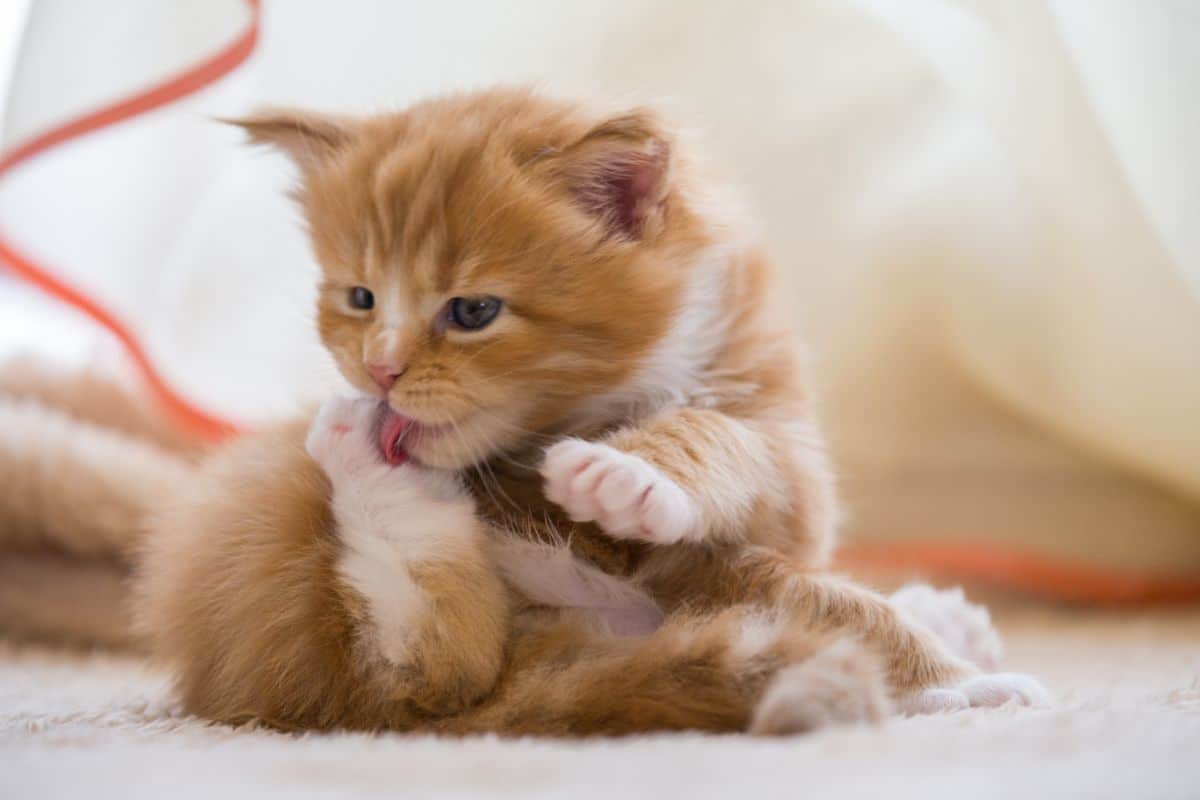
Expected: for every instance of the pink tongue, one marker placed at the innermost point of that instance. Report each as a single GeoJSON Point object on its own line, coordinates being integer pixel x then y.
{"type": "Point", "coordinates": [391, 437]}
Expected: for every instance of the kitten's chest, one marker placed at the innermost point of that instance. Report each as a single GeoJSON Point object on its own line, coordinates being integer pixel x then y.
{"type": "Point", "coordinates": [514, 502]}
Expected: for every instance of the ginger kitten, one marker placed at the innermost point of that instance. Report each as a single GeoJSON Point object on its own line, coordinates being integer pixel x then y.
{"type": "Point", "coordinates": [542, 296]}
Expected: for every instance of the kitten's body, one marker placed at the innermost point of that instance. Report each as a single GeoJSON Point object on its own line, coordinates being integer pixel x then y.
{"type": "Point", "coordinates": [383, 609]}
{"type": "Point", "coordinates": [634, 354]}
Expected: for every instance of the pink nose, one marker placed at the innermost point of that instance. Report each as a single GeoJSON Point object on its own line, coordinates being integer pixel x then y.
{"type": "Point", "coordinates": [385, 375]}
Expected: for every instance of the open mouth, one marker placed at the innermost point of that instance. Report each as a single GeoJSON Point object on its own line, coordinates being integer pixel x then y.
{"type": "Point", "coordinates": [393, 430]}
{"type": "Point", "coordinates": [398, 434]}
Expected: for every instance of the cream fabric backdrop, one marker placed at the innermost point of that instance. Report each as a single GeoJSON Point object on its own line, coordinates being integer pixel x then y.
{"type": "Point", "coordinates": [985, 212]}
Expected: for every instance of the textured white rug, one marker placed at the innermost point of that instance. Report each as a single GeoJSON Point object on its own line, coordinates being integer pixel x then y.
{"type": "Point", "coordinates": [1127, 725]}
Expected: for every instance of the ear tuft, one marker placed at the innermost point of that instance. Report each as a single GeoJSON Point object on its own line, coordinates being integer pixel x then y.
{"type": "Point", "coordinates": [308, 138]}
{"type": "Point", "coordinates": [620, 172]}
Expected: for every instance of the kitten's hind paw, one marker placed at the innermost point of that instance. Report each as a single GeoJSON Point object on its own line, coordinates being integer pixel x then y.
{"type": "Point", "coordinates": [839, 685]}
{"type": "Point", "coordinates": [341, 438]}
{"type": "Point", "coordinates": [982, 691]}
{"type": "Point", "coordinates": [623, 494]}
{"type": "Point", "coordinates": [966, 628]}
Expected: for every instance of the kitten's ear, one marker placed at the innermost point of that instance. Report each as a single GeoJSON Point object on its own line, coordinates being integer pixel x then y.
{"type": "Point", "coordinates": [307, 137]}
{"type": "Point", "coordinates": [620, 171]}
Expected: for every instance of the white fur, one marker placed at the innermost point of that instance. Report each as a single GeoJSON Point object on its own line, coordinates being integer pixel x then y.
{"type": "Point", "coordinates": [674, 369]}
{"type": "Point", "coordinates": [623, 494]}
{"type": "Point", "coordinates": [388, 519]}
{"type": "Point", "coordinates": [391, 307]}
{"type": "Point", "coordinates": [673, 372]}
{"type": "Point", "coordinates": [756, 635]}
{"type": "Point", "coordinates": [982, 691]}
{"type": "Point", "coordinates": [833, 687]}
{"type": "Point", "coordinates": [550, 575]}
{"type": "Point", "coordinates": [1002, 688]}
{"type": "Point", "coordinates": [935, 701]}
{"type": "Point", "coordinates": [967, 631]}
{"type": "Point", "coordinates": [965, 627]}
{"type": "Point", "coordinates": [378, 571]}
{"type": "Point", "coordinates": [388, 340]}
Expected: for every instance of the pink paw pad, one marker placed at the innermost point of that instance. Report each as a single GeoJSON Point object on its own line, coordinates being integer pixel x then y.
{"type": "Point", "coordinates": [622, 493]}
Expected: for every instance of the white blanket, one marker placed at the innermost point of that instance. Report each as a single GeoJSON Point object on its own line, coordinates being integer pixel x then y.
{"type": "Point", "coordinates": [1128, 725]}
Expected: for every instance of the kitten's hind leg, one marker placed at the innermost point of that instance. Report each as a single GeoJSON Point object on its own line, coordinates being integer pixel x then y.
{"type": "Point", "coordinates": [841, 683]}
{"type": "Point", "coordinates": [965, 627]}
{"type": "Point", "coordinates": [738, 670]}
{"type": "Point", "coordinates": [412, 548]}
{"type": "Point", "coordinates": [923, 672]}
{"type": "Point", "coordinates": [926, 673]}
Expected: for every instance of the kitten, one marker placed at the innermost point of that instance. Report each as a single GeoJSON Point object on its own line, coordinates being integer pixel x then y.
{"type": "Point", "coordinates": [359, 594]}
{"type": "Point", "coordinates": [539, 293]}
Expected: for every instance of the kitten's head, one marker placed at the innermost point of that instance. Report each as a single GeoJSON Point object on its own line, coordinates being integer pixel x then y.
{"type": "Point", "coordinates": [493, 262]}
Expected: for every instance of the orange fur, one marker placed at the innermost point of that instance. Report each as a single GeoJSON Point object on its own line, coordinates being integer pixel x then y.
{"type": "Point", "coordinates": [634, 332]}
{"type": "Point", "coordinates": [82, 461]}
{"type": "Point", "coordinates": [240, 595]}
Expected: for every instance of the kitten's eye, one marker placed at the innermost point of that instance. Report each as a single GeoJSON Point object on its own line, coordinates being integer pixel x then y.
{"type": "Point", "coordinates": [473, 313]}
{"type": "Point", "coordinates": [361, 297]}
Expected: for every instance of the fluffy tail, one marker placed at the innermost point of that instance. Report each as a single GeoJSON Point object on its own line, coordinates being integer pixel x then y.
{"type": "Point", "coordinates": [96, 397]}
{"type": "Point", "coordinates": [79, 470]}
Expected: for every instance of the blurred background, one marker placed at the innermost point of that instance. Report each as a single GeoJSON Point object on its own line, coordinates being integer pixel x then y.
{"type": "Point", "coordinates": [986, 215]}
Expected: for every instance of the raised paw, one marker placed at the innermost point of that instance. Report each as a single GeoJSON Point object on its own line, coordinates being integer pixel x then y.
{"type": "Point", "coordinates": [627, 497]}
{"type": "Point", "coordinates": [981, 691]}
{"type": "Point", "coordinates": [341, 438]}
{"type": "Point", "coordinates": [966, 628]}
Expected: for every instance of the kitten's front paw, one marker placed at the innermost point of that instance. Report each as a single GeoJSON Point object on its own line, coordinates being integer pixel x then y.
{"type": "Point", "coordinates": [965, 627]}
{"type": "Point", "coordinates": [341, 438]}
{"type": "Point", "coordinates": [620, 492]}
{"type": "Point", "coordinates": [982, 691]}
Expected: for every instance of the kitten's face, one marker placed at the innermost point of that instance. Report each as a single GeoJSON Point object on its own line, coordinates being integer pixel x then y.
{"type": "Point", "coordinates": [491, 261]}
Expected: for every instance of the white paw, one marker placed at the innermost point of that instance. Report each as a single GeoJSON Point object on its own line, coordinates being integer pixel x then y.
{"type": "Point", "coordinates": [965, 628]}
{"type": "Point", "coordinates": [982, 691]}
{"type": "Point", "coordinates": [838, 685]}
{"type": "Point", "coordinates": [624, 495]}
{"type": "Point", "coordinates": [341, 438]}
{"type": "Point", "coordinates": [935, 701]}
{"type": "Point", "coordinates": [1002, 688]}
